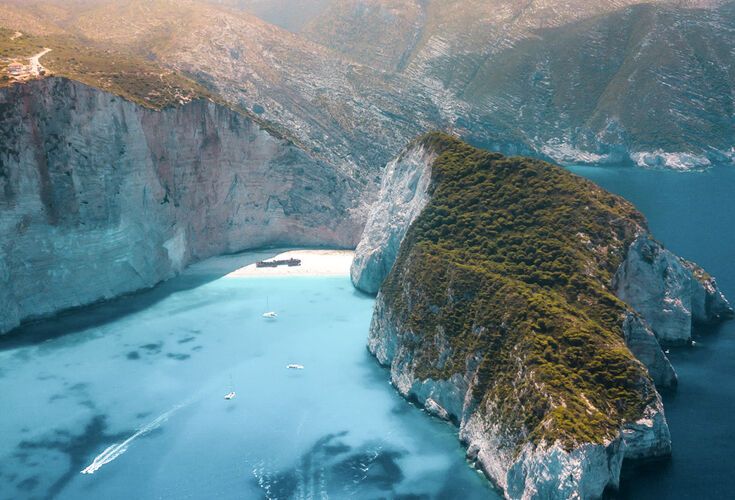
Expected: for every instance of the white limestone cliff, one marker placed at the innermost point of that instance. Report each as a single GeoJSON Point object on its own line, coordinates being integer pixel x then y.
{"type": "Point", "coordinates": [644, 345]}
{"type": "Point", "coordinates": [100, 197]}
{"type": "Point", "coordinates": [671, 294]}
{"type": "Point", "coordinates": [403, 195]}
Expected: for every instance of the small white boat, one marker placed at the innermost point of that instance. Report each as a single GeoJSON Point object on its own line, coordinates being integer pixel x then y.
{"type": "Point", "coordinates": [667, 351]}
{"type": "Point", "coordinates": [270, 315]}
{"type": "Point", "coordinates": [294, 366]}
{"type": "Point", "coordinates": [230, 395]}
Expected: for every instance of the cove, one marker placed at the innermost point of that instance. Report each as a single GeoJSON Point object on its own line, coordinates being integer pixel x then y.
{"type": "Point", "coordinates": [132, 391]}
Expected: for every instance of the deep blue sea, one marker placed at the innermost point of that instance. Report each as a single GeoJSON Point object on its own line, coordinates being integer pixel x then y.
{"type": "Point", "coordinates": [693, 214]}
{"type": "Point", "coordinates": [133, 389]}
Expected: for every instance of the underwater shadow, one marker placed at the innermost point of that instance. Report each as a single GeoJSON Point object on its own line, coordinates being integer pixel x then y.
{"type": "Point", "coordinates": [78, 449]}
{"type": "Point", "coordinates": [335, 469]}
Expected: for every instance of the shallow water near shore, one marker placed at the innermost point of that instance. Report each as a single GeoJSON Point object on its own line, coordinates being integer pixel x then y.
{"type": "Point", "coordinates": [693, 214]}
{"type": "Point", "coordinates": [132, 393]}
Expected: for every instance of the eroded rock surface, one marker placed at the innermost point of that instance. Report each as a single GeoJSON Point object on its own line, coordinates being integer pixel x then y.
{"type": "Point", "coordinates": [403, 195]}
{"type": "Point", "coordinates": [100, 197]}
{"type": "Point", "coordinates": [669, 292]}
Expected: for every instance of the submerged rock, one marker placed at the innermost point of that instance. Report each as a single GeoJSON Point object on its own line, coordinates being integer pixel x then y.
{"type": "Point", "coordinates": [500, 315]}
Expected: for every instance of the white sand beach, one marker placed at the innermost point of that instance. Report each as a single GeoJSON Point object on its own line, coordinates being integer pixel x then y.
{"type": "Point", "coordinates": [313, 263]}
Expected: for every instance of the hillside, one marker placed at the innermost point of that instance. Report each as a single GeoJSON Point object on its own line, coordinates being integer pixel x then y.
{"type": "Point", "coordinates": [502, 310]}
{"type": "Point", "coordinates": [586, 81]}
{"type": "Point", "coordinates": [121, 73]}
{"type": "Point", "coordinates": [354, 81]}
{"type": "Point", "coordinates": [336, 108]}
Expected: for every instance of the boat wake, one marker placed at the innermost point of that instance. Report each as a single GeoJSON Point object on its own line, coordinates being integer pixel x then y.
{"type": "Point", "coordinates": [117, 449]}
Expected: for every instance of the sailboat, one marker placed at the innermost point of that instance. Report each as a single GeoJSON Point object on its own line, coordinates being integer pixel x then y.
{"type": "Point", "coordinates": [232, 394]}
{"type": "Point", "coordinates": [270, 314]}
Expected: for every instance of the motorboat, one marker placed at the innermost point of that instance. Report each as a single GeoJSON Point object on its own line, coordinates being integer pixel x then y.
{"type": "Point", "coordinates": [294, 366]}
{"type": "Point", "coordinates": [230, 395]}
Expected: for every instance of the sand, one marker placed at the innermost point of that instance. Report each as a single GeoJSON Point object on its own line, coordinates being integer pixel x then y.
{"type": "Point", "coordinates": [313, 263]}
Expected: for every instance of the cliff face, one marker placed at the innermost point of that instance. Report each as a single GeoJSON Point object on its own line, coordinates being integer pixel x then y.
{"type": "Point", "coordinates": [99, 196]}
{"type": "Point", "coordinates": [669, 292]}
{"type": "Point", "coordinates": [403, 195]}
{"type": "Point", "coordinates": [481, 334]}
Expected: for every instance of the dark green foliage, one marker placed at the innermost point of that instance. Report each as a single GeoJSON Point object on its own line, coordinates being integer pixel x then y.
{"type": "Point", "coordinates": [511, 262]}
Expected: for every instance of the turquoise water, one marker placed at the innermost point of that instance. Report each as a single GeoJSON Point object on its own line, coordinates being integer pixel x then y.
{"type": "Point", "coordinates": [135, 388]}
{"type": "Point", "coordinates": [143, 377]}
{"type": "Point", "coordinates": [694, 215]}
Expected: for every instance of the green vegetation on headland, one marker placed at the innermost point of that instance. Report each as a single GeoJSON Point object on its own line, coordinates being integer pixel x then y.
{"type": "Point", "coordinates": [126, 75]}
{"type": "Point", "coordinates": [510, 262]}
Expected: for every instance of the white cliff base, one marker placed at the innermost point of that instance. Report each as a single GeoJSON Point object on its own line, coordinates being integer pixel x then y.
{"type": "Point", "coordinates": [670, 160]}
{"type": "Point", "coordinates": [543, 471]}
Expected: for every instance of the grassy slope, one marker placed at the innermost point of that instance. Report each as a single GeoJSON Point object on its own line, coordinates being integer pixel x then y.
{"type": "Point", "coordinates": [126, 75]}
{"type": "Point", "coordinates": [118, 71]}
{"type": "Point", "coordinates": [511, 260]}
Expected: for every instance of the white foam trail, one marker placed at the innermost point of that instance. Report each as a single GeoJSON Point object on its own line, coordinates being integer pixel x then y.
{"type": "Point", "coordinates": [114, 451]}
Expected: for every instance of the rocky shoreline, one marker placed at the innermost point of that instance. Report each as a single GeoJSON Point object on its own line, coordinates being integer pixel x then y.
{"type": "Point", "coordinates": [666, 295]}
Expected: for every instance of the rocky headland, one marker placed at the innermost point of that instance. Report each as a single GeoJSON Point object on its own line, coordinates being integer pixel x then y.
{"type": "Point", "coordinates": [528, 306]}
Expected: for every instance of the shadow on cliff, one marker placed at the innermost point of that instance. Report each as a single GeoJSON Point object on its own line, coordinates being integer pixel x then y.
{"type": "Point", "coordinates": [98, 314]}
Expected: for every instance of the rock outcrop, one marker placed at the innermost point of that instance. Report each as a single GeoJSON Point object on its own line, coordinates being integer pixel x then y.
{"type": "Point", "coordinates": [669, 292]}
{"type": "Point", "coordinates": [403, 195]}
{"type": "Point", "coordinates": [99, 196]}
{"type": "Point", "coordinates": [454, 319]}
{"type": "Point", "coordinates": [644, 345]}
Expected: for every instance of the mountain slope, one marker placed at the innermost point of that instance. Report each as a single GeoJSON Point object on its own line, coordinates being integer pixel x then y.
{"type": "Point", "coordinates": [603, 81]}
{"type": "Point", "coordinates": [582, 81]}
{"type": "Point", "coordinates": [343, 111]}
{"type": "Point", "coordinates": [119, 72]}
